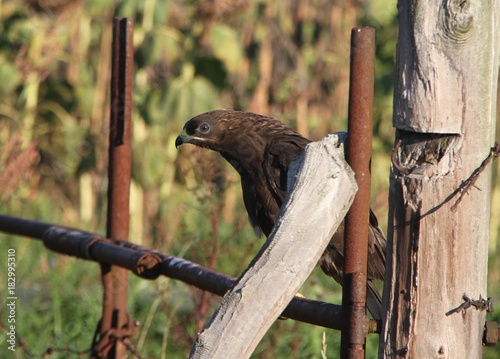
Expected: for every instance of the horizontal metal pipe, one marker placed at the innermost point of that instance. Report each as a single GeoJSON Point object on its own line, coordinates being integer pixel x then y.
{"type": "Point", "coordinates": [149, 264]}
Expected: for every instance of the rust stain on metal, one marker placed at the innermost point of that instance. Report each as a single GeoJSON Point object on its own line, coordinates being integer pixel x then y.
{"type": "Point", "coordinates": [120, 153]}
{"type": "Point", "coordinates": [491, 334]}
{"type": "Point", "coordinates": [119, 170]}
{"type": "Point", "coordinates": [358, 154]}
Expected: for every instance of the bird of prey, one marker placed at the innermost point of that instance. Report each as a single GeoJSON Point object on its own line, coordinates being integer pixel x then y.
{"type": "Point", "coordinates": [261, 149]}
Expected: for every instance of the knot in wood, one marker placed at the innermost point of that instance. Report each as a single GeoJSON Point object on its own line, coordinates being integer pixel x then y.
{"type": "Point", "coordinates": [456, 20]}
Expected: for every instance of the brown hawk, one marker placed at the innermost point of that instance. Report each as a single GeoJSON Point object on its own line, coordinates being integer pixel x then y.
{"type": "Point", "coordinates": [261, 149]}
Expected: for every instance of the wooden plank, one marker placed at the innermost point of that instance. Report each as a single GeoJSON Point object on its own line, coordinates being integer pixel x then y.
{"type": "Point", "coordinates": [323, 188]}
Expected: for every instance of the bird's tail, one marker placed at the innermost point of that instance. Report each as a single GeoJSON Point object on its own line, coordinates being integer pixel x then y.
{"type": "Point", "coordinates": [373, 300]}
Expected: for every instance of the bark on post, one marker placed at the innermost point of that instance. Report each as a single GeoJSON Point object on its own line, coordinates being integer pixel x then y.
{"type": "Point", "coordinates": [444, 113]}
{"type": "Point", "coordinates": [321, 194]}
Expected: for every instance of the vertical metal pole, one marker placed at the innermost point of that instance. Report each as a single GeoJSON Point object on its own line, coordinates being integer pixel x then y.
{"type": "Point", "coordinates": [114, 317]}
{"type": "Point", "coordinates": [358, 154]}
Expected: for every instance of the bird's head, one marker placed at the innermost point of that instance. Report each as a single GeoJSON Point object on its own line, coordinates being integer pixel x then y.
{"type": "Point", "coordinates": [229, 132]}
{"type": "Point", "coordinates": [240, 137]}
{"type": "Point", "coordinates": [207, 130]}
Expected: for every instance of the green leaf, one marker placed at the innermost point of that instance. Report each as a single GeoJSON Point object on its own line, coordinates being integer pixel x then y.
{"type": "Point", "coordinates": [10, 77]}
{"type": "Point", "coordinates": [227, 47]}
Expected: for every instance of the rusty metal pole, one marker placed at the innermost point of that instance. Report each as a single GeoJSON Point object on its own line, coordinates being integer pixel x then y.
{"type": "Point", "coordinates": [358, 155]}
{"type": "Point", "coordinates": [115, 317]}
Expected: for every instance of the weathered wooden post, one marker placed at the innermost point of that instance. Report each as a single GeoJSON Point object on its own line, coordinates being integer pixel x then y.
{"type": "Point", "coordinates": [444, 113]}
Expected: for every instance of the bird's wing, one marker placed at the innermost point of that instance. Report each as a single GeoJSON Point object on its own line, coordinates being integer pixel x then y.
{"type": "Point", "coordinates": [277, 158]}
{"type": "Point", "coordinates": [377, 244]}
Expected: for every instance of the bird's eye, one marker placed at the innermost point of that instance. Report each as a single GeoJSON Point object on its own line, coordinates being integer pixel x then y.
{"type": "Point", "coordinates": [204, 128]}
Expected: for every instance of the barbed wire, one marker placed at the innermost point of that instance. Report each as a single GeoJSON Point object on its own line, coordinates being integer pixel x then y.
{"type": "Point", "coordinates": [471, 181]}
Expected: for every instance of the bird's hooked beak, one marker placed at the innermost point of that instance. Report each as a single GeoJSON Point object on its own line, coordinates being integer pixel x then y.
{"type": "Point", "coordinates": [182, 139]}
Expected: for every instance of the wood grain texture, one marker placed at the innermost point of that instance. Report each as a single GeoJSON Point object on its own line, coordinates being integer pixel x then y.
{"type": "Point", "coordinates": [445, 95]}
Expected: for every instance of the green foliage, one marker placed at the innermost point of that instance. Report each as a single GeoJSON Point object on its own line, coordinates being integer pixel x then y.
{"type": "Point", "coordinates": [57, 298]}
{"type": "Point", "coordinates": [10, 78]}
{"type": "Point", "coordinates": [285, 59]}
{"type": "Point", "coordinates": [227, 46]}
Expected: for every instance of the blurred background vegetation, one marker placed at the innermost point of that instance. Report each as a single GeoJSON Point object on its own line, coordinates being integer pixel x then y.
{"type": "Point", "coordinates": [289, 60]}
